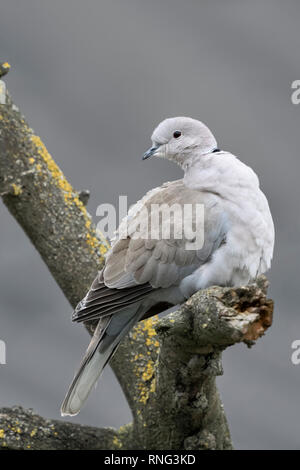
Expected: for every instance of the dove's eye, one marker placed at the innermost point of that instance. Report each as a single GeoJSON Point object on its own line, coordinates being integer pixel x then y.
{"type": "Point", "coordinates": [176, 134]}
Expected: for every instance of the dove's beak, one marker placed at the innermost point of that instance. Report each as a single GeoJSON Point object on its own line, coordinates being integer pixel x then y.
{"type": "Point", "coordinates": [152, 151]}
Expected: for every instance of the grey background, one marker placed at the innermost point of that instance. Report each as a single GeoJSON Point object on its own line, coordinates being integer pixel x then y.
{"type": "Point", "coordinates": [93, 78]}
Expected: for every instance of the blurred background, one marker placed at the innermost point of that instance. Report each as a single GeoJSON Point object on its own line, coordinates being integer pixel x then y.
{"type": "Point", "coordinates": [93, 79]}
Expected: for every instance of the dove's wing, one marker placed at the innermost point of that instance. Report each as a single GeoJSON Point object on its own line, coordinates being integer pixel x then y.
{"type": "Point", "coordinates": [137, 263]}
{"type": "Point", "coordinates": [156, 247]}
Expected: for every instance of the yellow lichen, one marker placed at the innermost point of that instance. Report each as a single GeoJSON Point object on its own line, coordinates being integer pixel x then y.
{"type": "Point", "coordinates": [16, 429]}
{"type": "Point", "coordinates": [149, 371]}
{"type": "Point", "coordinates": [123, 428]}
{"type": "Point", "coordinates": [148, 325]}
{"type": "Point", "coordinates": [103, 249]}
{"type": "Point", "coordinates": [145, 368]}
{"type": "Point", "coordinates": [117, 442]}
{"type": "Point", "coordinates": [153, 385]}
{"type": "Point", "coordinates": [6, 65]}
{"type": "Point", "coordinates": [33, 432]}
{"type": "Point", "coordinates": [70, 197]}
{"type": "Point", "coordinates": [56, 172]}
{"type": "Point", "coordinates": [17, 190]}
{"type": "Point", "coordinates": [2, 434]}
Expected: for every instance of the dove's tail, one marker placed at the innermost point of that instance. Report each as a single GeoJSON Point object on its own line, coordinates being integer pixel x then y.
{"type": "Point", "coordinates": [106, 339]}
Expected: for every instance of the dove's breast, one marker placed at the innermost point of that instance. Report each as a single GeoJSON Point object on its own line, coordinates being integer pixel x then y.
{"type": "Point", "coordinates": [248, 248]}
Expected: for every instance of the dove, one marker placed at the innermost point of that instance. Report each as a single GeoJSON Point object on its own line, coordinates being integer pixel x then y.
{"type": "Point", "coordinates": [148, 269]}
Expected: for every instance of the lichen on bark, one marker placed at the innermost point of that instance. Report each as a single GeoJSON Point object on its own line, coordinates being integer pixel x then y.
{"type": "Point", "coordinates": [166, 367]}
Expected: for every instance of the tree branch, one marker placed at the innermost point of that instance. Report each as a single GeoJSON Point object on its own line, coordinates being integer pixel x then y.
{"type": "Point", "coordinates": [166, 367]}
{"type": "Point", "coordinates": [23, 430]}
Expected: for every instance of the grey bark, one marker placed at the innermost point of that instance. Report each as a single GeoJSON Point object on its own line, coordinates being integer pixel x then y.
{"type": "Point", "coordinates": [25, 430]}
{"type": "Point", "coordinates": [166, 367]}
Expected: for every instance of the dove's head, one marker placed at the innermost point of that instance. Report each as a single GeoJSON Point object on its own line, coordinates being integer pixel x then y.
{"type": "Point", "coordinates": [179, 139]}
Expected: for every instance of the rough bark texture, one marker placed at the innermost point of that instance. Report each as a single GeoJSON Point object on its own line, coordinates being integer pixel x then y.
{"type": "Point", "coordinates": [23, 430]}
{"type": "Point", "coordinates": [166, 367]}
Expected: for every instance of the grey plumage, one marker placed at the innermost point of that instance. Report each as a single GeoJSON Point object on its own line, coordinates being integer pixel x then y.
{"type": "Point", "coordinates": [145, 274]}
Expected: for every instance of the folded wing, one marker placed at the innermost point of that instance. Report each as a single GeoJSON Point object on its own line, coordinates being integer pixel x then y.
{"type": "Point", "coordinates": [152, 248]}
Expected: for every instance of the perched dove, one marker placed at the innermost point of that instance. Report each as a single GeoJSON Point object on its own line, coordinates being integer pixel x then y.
{"type": "Point", "coordinates": [146, 274]}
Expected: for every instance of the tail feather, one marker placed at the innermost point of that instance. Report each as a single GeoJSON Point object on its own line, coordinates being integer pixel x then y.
{"type": "Point", "coordinates": [106, 339]}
